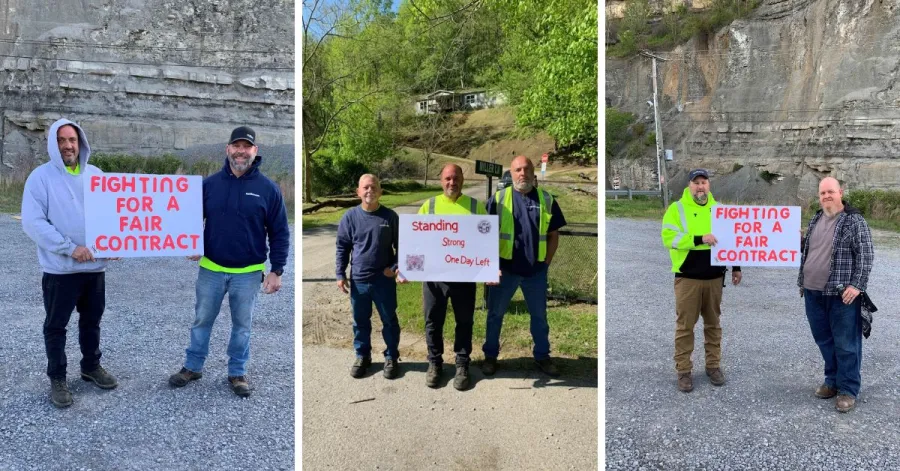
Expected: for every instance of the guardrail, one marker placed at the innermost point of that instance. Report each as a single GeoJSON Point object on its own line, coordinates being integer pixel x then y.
{"type": "Point", "coordinates": [615, 194]}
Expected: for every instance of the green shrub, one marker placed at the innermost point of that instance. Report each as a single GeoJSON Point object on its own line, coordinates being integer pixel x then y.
{"type": "Point", "coordinates": [638, 129]}
{"type": "Point", "coordinates": [617, 123]}
{"type": "Point", "coordinates": [876, 204]}
{"type": "Point", "coordinates": [635, 150]}
{"type": "Point", "coordinates": [122, 163]}
{"type": "Point", "coordinates": [736, 167]}
{"type": "Point", "coordinates": [332, 175]}
{"type": "Point", "coordinates": [768, 176]}
{"type": "Point", "coordinates": [400, 186]}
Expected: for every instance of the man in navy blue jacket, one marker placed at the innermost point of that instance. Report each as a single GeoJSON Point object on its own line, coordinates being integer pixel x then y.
{"type": "Point", "coordinates": [367, 241]}
{"type": "Point", "coordinates": [241, 208]}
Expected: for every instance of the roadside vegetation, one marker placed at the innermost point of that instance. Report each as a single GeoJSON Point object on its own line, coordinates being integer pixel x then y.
{"type": "Point", "coordinates": [573, 327]}
{"type": "Point", "coordinates": [646, 27]}
{"type": "Point", "coordinates": [881, 208]}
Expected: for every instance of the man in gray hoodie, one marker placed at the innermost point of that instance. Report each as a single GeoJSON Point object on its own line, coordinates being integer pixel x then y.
{"type": "Point", "coordinates": [53, 217]}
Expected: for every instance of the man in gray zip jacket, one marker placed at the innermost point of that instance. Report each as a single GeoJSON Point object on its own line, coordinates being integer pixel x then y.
{"type": "Point", "coordinates": [53, 217]}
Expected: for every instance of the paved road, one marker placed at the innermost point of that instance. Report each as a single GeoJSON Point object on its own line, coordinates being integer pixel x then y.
{"type": "Point", "coordinates": [766, 417]}
{"type": "Point", "coordinates": [516, 420]}
{"type": "Point", "coordinates": [142, 424]}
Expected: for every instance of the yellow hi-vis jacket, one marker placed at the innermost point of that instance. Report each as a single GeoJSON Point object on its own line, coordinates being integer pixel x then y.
{"type": "Point", "coordinates": [463, 205]}
{"type": "Point", "coordinates": [683, 220]}
{"type": "Point", "coordinates": [504, 203]}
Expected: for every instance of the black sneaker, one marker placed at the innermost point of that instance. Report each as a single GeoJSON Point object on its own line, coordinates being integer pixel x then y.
{"type": "Point", "coordinates": [239, 385]}
{"type": "Point", "coordinates": [546, 365]}
{"type": "Point", "coordinates": [391, 368]}
{"type": "Point", "coordinates": [184, 377]}
{"type": "Point", "coordinates": [489, 366]}
{"type": "Point", "coordinates": [433, 375]}
{"type": "Point", "coordinates": [360, 366]}
{"type": "Point", "coordinates": [101, 378]}
{"type": "Point", "coordinates": [461, 381]}
{"type": "Point", "coordinates": [59, 393]}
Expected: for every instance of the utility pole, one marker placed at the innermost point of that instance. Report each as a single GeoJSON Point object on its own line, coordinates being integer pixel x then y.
{"type": "Point", "coordinates": [660, 159]}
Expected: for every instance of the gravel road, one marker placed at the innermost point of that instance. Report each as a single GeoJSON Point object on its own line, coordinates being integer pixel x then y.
{"type": "Point", "coordinates": [142, 424]}
{"type": "Point", "coordinates": [766, 416]}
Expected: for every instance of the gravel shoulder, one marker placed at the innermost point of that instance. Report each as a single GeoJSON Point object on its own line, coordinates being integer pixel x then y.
{"type": "Point", "coordinates": [766, 416]}
{"type": "Point", "coordinates": [142, 424]}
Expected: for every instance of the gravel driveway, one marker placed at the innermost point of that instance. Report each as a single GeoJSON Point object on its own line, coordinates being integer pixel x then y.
{"type": "Point", "coordinates": [766, 416]}
{"type": "Point", "coordinates": [142, 424]}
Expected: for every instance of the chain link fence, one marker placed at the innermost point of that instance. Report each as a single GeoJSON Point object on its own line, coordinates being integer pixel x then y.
{"type": "Point", "coordinates": [574, 273]}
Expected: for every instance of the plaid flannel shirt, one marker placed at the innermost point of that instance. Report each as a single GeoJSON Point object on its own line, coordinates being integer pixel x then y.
{"type": "Point", "coordinates": [852, 253]}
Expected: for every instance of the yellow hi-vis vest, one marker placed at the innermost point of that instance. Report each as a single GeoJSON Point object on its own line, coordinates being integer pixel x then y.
{"type": "Point", "coordinates": [683, 220]}
{"type": "Point", "coordinates": [504, 201]}
{"type": "Point", "coordinates": [463, 205]}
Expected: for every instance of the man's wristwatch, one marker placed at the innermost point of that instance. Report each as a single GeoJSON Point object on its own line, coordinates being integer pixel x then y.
{"type": "Point", "coordinates": [279, 271]}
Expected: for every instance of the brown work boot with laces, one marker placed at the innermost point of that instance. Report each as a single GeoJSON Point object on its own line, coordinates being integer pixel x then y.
{"type": "Point", "coordinates": [685, 383]}
{"type": "Point", "coordinates": [716, 377]}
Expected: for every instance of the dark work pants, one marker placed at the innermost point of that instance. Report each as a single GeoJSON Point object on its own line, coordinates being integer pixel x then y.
{"type": "Point", "coordinates": [85, 292]}
{"type": "Point", "coordinates": [434, 302]}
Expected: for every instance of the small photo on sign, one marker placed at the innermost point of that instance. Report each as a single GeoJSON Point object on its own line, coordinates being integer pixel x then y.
{"type": "Point", "coordinates": [415, 263]}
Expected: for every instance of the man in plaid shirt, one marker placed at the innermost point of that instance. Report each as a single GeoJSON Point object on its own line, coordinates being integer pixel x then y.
{"type": "Point", "coordinates": [834, 270]}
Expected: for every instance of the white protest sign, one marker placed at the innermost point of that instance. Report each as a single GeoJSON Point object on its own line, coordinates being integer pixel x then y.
{"type": "Point", "coordinates": [449, 248]}
{"type": "Point", "coordinates": [756, 236]}
{"type": "Point", "coordinates": [134, 215]}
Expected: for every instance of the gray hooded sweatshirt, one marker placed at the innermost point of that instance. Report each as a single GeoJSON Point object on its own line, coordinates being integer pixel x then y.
{"type": "Point", "coordinates": [53, 208]}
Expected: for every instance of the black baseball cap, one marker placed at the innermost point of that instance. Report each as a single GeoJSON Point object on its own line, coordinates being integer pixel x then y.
{"type": "Point", "coordinates": [245, 133]}
{"type": "Point", "coordinates": [698, 173]}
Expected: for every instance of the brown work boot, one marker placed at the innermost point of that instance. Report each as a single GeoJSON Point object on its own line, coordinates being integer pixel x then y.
{"type": "Point", "coordinates": [685, 383]}
{"type": "Point", "coordinates": [825, 392]}
{"type": "Point", "coordinates": [716, 377]}
{"type": "Point", "coordinates": [183, 377]}
{"type": "Point", "coordinates": [239, 385]}
{"type": "Point", "coordinates": [844, 403]}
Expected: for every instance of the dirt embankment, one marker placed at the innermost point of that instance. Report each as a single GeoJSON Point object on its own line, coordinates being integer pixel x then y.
{"type": "Point", "coordinates": [490, 135]}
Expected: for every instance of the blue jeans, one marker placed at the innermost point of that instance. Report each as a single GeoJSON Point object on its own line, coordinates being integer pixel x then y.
{"type": "Point", "coordinates": [242, 289]}
{"type": "Point", "coordinates": [534, 288]}
{"type": "Point", "coordinates": [837, 330]}
{"type": "Point", "coordinates": [382, 291]}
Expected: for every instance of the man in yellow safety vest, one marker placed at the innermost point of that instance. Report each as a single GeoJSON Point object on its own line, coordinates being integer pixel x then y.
{"type": "Point", "coordinates": [436, 294]}
{"type": "Point", "coordinates": [687, 233]}
{"type": "Point", "coordinates": [529, 223]}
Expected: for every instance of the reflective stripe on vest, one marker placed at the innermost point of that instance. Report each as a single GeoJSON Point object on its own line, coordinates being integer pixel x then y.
{"type": "Point", "coordinates": [504, 199]}
{"type": "Point", "coordinates": [473, 204]}
{"type": "Point", "coordinates": [684, 226]}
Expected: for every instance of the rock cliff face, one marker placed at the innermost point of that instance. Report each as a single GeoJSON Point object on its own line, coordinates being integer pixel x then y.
{"type": "Point", "coordinates": [144, 76]}
{"type": "Point", "coordinates": [799, 90]}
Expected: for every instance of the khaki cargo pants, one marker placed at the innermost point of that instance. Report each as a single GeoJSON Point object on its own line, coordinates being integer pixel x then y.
{"type": "Point", "coordinates": [695, 298]}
